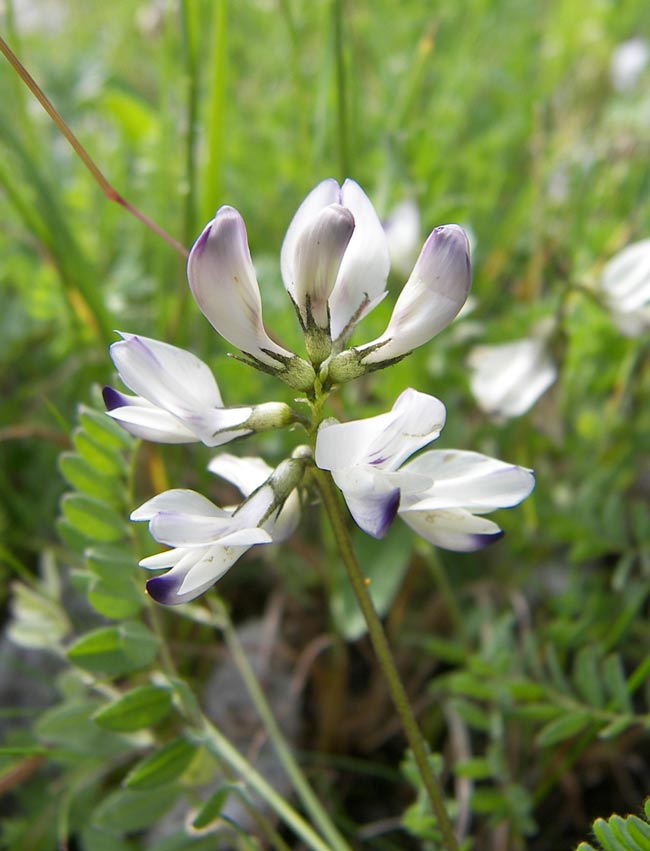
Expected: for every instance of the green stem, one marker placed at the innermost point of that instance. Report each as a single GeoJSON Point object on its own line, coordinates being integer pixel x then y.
{"type": "Point", "coordinates": [385, 657]}
{"type": "Point", "coordinates": [304, 791]}
{"type": "Point", "coordinates": [341, 92]}
{"type": "Point", "coordinates": [213, 175]}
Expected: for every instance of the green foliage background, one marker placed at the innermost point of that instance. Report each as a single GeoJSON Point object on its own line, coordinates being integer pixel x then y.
{"type": "Point", "coordinates": [530, 659]}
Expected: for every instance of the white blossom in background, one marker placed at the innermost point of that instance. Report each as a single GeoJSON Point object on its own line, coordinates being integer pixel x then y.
{"type": "Point", "coordinates": [403, 227]}
{"type": "Point", "coordinates": [36, 16]}
{"type": "Point", "coordinates": [178, 397]}
{"type": "Point", "coordinates": [507, 379]}
{"type": "Point", "coordinates": [625, 284]}
{"type": "Point", "coordinates": [207, 540]}
{"type": "Point", "coordinates": [629, 60]}
{"type": "Point", "coordinates": [441, 494]}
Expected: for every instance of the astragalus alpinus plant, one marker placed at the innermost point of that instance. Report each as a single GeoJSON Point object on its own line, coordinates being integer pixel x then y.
{"type": "Point", "coordinates": [334, 264]}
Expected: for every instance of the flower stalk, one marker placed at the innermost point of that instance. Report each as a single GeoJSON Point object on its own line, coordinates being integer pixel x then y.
{"type": "Point", "coordinates": [384, 656]}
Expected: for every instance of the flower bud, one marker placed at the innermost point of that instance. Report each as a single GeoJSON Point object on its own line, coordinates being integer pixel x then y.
{"type": "Point", "coordinates": [318, 254]}
{"type": "Point", "coordinates": [436, 290]}
{"type": "Point", "coordinates": [270, 415]}
{"type": "Point", "coordinates": [223, 282]}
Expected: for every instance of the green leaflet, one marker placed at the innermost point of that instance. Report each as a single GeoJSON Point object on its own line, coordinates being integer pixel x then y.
{"type": "Point", "coordinates": [162, 767]}
{"type": "Point", "coordinates": [139, 708]}
{"type": "Point", "coordinates": [115, 650]}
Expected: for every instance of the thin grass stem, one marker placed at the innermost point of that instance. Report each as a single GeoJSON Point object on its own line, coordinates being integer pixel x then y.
{"type": "Point", "coordinates": [111, 193]}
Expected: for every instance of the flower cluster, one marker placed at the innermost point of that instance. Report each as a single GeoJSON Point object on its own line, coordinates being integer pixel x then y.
{"type": "Point", "coordinates": [334, 262]}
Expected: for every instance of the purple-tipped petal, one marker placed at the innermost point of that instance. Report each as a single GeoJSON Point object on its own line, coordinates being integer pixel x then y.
{"type": "Point", "coordinates": [197, 571]}
{"type": "Point", "coordinates": [469, 480]}
{"type": "Point", "coordinates": [223, 282]}
{"type": "Point", "coordinates": [114, 399]}
{"type": "Point", "coordinates": [433, 295]}
{"type": "Point", "coordinates": [372, 496]}
{"type": "Point", "coordinates": [327, 192]}
{"type": "Point", "coordinates": [456, 529]}
{"type": "Point", "coordinates": [165, 375]}
{"type": "Point", "coordinates": [165, 590]}
{"type": "Point", "coordinates": [374, 513]}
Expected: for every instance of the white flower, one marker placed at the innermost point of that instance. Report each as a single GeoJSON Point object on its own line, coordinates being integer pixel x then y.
{"type": "Point", "coordinates": [508, 379]}
{"type": "Point", "coordinates": [626, 286]}
{"type": "Point", "coordinates": [207, 540]}
{"type": "Point", "coordinates": [316, 261]}
{"type": "Point", "coordinates": [628, 62]}
{"type": "Point", "coordinates": [464, 485]}
{"type": "Point", "coordinates": [178, 397]}
{"type": "Point", "coordinates": [439, 494]}
{"type": "Point", "coordinates": [354, 279]}
{"type": "Point", "coordinates": [402, 228]}
{"type": "Point", "coordinates": [364, 456]}
{"type": "Point", "coordinates": [431, 298]}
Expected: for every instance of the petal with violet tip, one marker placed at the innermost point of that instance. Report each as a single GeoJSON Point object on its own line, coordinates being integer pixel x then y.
{"type": "Point", "coordinates": [165, 375]}
{"type": "Point", "coordinates": [468, 480]}
{"type": "Point", "coordinates": [454, 529]}
{"type": "Point", "coordinates": [223, 282]}
{"type": "Point", "coordinates": [146, 421]}
{"type": "Point", "coordinates": [431, 298]}
{"type": "Point", "coordinates": [361, 279]}
{"type": "Point", "coordinates": [193, 574]}
{"type": "Point", "coordinates": [372, 498]}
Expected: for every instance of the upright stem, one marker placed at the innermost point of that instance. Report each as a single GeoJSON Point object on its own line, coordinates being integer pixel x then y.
{"type": "Point", "coordinates": [341, 92]}
{"type": "Point", "coordinates": [385, 657]}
